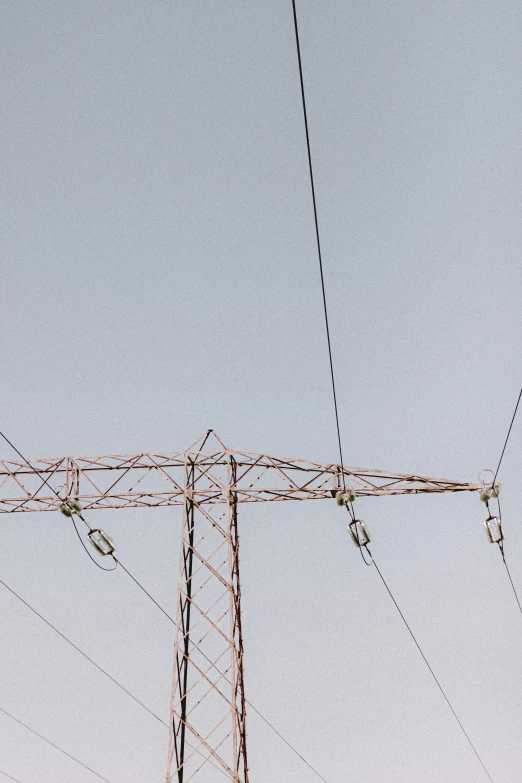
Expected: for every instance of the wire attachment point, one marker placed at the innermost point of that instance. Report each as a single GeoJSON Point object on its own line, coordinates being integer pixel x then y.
{"type": "Point", "coordinates": [101, 542]}
{"type": "Point", "coordinates": [345, 496]}
{"type": "Point", "coordinates": [70, 506]}
{"type": "Point", "coordinates": [359, 534]}
{"type": "Point", "coordinates": [494, 530]}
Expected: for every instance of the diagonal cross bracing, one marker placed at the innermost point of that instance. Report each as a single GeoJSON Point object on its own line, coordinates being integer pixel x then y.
{"type": "Point", "coordinates": [157, 480]}
{"type": "Point", "coordinates": [208, 698]}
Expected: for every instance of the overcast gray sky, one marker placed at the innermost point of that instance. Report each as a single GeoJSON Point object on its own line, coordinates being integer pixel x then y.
{"type": "Point", "coordinates": [159, 277]}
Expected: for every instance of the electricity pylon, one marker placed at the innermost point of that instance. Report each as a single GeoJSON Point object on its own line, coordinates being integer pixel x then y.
{"type": "Point", "coordinates": [207, 712]}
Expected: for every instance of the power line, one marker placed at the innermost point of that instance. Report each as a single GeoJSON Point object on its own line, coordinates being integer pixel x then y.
{"type": "Point", "coordinates": [507, 437]}
{"type": "Point", "coordinates": [7, 775]}
{"type": "Point", "coordinates": [53, 745]}
{"type": "Point", "coordinates": [430, 669]}
{"type": "Point", "coordinates": [100, 668]}
{"type": "Point", "coordinates": [79, 650]}
{"type": "Point", "coordinates": [501, 547]}
{"type": "Point", "coordinates": [318, 240]}
{"type": "Point", "coordinates": [30, 466]}
{"type": "Point", "coordinates": [501, 542]}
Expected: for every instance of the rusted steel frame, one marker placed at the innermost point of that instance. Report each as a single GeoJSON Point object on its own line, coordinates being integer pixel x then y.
{"type": "Point", "coordinates": [209, 748]}
{"type": "Point", "coordinates": [207, 611]}
{"type": "Point", "coordinates": [249, 468]}
{"type": "Point", "coordinates": [207, 580]}
{"type": "Point", "coordinates": [241, 752]}
{"type": "Point", "coordinates": [196, 644]}
{"type": "Point", "coordinates": [203, 473]}
{"type": "Point", "coordinates": [167, 475]}
{"type": "Point", "coordinates": [184, 622]}
{"type": "Point", "coordinates": [203, 677]}
{"type": "Point", "coordinates": [213, 686]}
{"type": "Point", "coordinates": [208, 758]}
{"type": "Point", "coordinates": [35, 493]}
{"type": "Point", "coordinates": [213, 522]}
{"type": "Point", "coordinates": [216, 629]}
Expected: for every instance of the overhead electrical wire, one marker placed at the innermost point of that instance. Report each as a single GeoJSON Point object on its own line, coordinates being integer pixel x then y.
{"type": "Point", "coordinates": [151, 598]}
{"type": "Point", "coordinates": [97, 666]}
{"type": "Point", "coordinates": [79, 650]}
{"type": "Point", "coordinates": [7, 775]}
{"type": "Point", "coordinates": [54, 745]}
{"type": "Point", "coordinates": [403, 618]}
{"type": "Point", "coordinates": [507, 437]}
{"type": "Point", "coordinates": [318, 240]}
{"type": "Point", "coordinates": [349, 506]}
{"type": "Point", "coordinates": [501, 542]}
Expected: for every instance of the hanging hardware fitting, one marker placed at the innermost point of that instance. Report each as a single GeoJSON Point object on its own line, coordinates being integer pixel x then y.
{"type": "Point", "coordinates": [494, 530]}
{"type": "Point", "coordinates": [358, 532]}
{"type": "Point", "coordinates": [343, 497]}
{"type": "Point", "coordinates": [489, 492]}
{"type": "Point", "coordinates": [70, 505]}
{"type": "Point", "coordinates": [101, 542]}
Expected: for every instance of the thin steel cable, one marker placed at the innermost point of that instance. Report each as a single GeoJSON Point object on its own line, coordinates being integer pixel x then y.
{"type": "Point", "coordinates": [195, 646]}
{"type": "Point", "coordinates": [317, 236]}
{"type": "Point", "coordinates": [100, 668]}
{"type": "Point", "coordinates": [501, 543]}
{"type": "Point", "coordinates": [79, 650]}
{"type": "Point", "coordinates": [53, 745]}
{"type": "Point", "coordinates": [7, 775]}
{"type": "Point", "coordinates": [501, 547]}
{"type": "Point", "coordinates": [29, 464]}
{"type": "Point", "coordinates": [430, 669]}
{"type": "Point", "coordinates": [507, 438]}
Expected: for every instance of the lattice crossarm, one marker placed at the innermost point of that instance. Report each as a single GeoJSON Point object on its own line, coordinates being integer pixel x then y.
{"type": "Point", "coordinates": [157, 480]}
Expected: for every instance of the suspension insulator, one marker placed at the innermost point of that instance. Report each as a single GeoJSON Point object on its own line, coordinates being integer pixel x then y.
{"type": "Point", "coordinates": [66, 511]}
{"type": "Point", "coordinates": [101, 542]}
{"type": "Point", "coordinates": [345, 496]}
{"type": "Point", "coordinates": [359, 533]}
{"type": "Point", "coordinates": [489, 492]}
{"type": "Point", "coordinates": [74, 504]}
{"type": "Point", "coordinates": [494, 530]}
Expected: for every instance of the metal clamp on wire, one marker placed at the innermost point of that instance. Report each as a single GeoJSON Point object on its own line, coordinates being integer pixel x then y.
{"type": "Point", "coordinates": [345, 496]}
{"type": "Point", "coordinates": [70, 506]}
{"type": "Point", "coordinates": [359, 534]}
{"type": "Point", "coordinates": [494, 530]}
{"type": "Point", "coordinates": [101, 542]}
{"type": "Point", "coordinates": [493, 523]}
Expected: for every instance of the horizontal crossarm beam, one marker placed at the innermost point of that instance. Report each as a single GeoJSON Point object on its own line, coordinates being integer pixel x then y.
{"type": "Point", "coordinates": [156, 480]}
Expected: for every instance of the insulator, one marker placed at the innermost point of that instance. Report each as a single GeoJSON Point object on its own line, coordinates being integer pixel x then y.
{"type": "Point", "coordinates": [489, 492]}
{"type": "Point", "coordinates": [484, 495]}
{"type": "Point", "coordinates": [74, 504]}
{"type": "Point", "coordinates": [359, 533]}
{"type": "Point", "coordinates": [494, 530]}
{"type": "Point", "coordinates": [345, 496]}
{"type": "Point", "coordinates": [101, 542]}
{"type": "Point", "coordinates": [66, 511]}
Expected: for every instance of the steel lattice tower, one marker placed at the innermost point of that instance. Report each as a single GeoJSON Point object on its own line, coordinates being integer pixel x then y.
{"type": "Point", "coordinates": [207, 711]}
